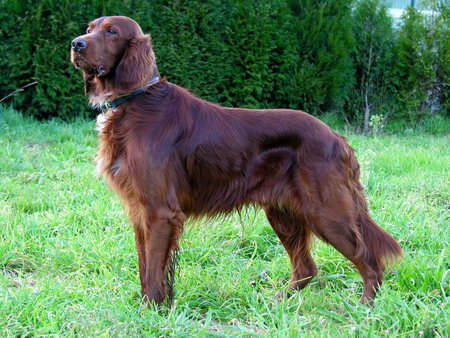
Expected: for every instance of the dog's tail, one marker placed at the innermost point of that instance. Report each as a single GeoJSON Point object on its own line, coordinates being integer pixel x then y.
{"type": "Point", "coordinates": [379, 248]}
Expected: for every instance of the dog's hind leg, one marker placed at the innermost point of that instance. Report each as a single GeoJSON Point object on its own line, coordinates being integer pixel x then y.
{"type": "Point", "coordinates": [334, 222]}
{"type": "Point", "coordinates": [296, 238]}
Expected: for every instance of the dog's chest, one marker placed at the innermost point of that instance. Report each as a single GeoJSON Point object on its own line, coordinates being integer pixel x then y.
{"type": "Point", "coordinates": [111, 154]}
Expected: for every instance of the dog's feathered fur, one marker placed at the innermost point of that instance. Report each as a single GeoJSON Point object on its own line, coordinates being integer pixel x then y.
{"type": "Point", "coordinates": [171, 155]}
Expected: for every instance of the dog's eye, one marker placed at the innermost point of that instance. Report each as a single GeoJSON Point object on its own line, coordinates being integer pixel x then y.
{"type": "Point", "coordinates": [111, 31]}
{"type": "Point", "coordinates": [88, 30]}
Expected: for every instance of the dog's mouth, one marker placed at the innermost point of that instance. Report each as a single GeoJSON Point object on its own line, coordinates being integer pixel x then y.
{"type": "Point", "coordinates": [80, 62]}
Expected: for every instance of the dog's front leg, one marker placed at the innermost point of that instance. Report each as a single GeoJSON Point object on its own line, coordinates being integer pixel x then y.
{"type": "Point", "coordinates": [157, 243]}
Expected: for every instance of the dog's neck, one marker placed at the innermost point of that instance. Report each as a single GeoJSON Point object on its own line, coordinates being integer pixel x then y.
{"type": "Point", "coordinates": [101, 89]}
{"type": "Point", "coordinates": [155, 71]}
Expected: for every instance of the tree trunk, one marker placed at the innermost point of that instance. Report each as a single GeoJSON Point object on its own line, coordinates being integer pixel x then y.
{"type": "Point", "coordinates": [366, 91]}
{"type": "Point", "coordinates": [366, 111]}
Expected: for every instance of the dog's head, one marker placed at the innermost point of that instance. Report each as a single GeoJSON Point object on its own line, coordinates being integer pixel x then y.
{"type": "Point", "coordinates": [115, 51]}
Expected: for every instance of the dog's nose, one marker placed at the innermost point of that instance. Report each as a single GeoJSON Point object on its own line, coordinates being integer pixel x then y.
{"type": "Point", "coordinates": [78, 44]}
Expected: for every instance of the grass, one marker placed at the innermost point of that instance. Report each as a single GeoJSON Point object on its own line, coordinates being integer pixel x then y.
{"type": "Point", "coordinates": [68, 264]}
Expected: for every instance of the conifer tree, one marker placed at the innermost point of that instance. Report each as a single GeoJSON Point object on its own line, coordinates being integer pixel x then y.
{"type": "Point", "coordinates": [322, 75]}
{"type": "Point", "coordinates": [374, 60]}
{"type": "Point", "coordinates": [442, 42]}
{"type": "Point", "coordinates": [424, 63]}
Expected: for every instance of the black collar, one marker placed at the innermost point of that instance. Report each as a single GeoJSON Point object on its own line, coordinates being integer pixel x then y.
{"type": "Point", "coordinates": [125, 97]}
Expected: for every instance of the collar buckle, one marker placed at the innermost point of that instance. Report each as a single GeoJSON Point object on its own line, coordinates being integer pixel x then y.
{"type": "Point", "coordinates": [123, 98]}
{"type": "Point", "coordinates": [107, 105]}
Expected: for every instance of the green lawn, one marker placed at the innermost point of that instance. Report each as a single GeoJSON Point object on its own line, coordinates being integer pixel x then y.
{"type": "Point", "coordinates": [68, 264]}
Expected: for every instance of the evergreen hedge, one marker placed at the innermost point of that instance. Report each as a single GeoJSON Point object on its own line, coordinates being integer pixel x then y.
{"type": "Point", "coordinates": [301, 54]}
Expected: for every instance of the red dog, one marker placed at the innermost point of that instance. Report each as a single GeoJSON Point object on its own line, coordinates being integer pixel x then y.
{"type": "Point", "coordinates": [171, 155]}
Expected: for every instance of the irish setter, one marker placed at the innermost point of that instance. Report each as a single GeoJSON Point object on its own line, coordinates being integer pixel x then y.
{"type": "Point", "coordinates": [171, 155]}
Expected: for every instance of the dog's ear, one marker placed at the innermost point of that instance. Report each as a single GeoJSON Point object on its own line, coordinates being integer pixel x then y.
{"type": "Point", "coordinates": [136, 66]}
{"type": "Point", "coordinates": [89, 82]}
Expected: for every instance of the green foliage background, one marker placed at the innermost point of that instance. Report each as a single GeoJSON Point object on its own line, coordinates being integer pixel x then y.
{"type": "Point", "coordinates": [309, 55]}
